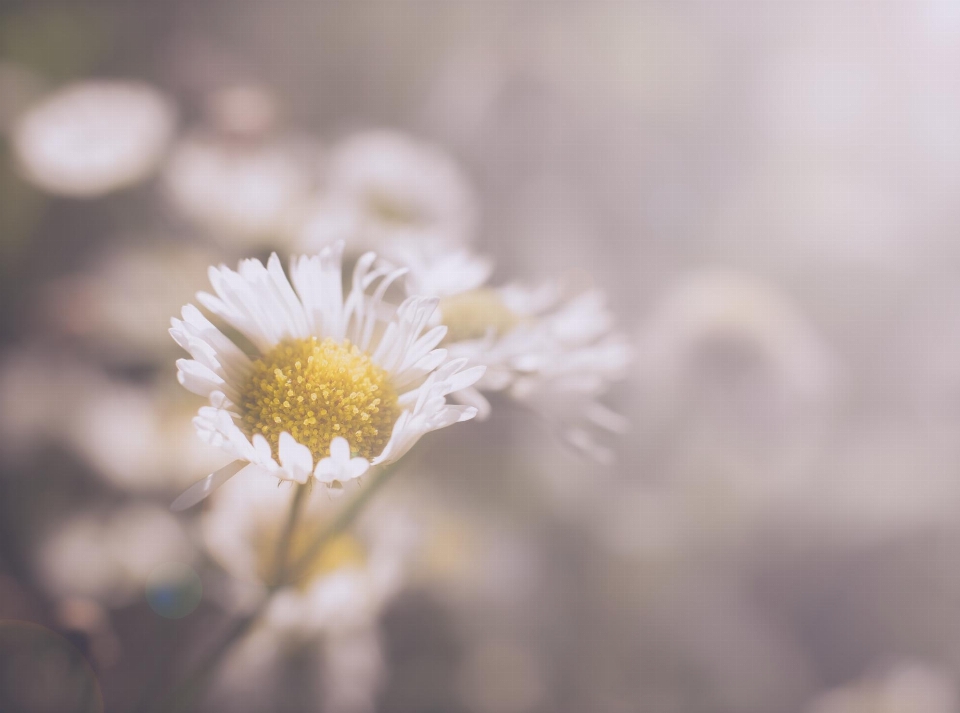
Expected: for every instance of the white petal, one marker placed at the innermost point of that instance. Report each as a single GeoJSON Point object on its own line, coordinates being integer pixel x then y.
{"type": "Point", "coordinates": [327, 470]}
{"type": "Point", "coordinates": [374, 304]}
{"type": "Point", "coordinates": [472, 397]}
{"type": "Point", "coordinates": [263, 450]}
{"type": "Point", "coordinates": [339, 467]}
{"type": "Point", "coordinates": [318, 282]}
{"type": "Point", "coordinates": [340, 450]}
{"type": "Point", "coordinates": [199, 327]}
{"type": "Point", "coordinates": [465, 378]}
{"type": "Point", "coordinates": [295, 458]}
{"type": "Point", "coordinates": [197, 378]}
{"type": "Point", "coordinates": [217, 427]}
{"type": "Point", "coordinates": [463, 413]}
{"type": "Point", "coordinates": [200, 490]}
{"type": "Point", "coordinates": [288, 297]}
{"type": "Point", "coordinates": [357, 467]}
{"type": "Point", "coordinates": [353, 309]}
{"type": "Point", "coordinates": [402, 439]}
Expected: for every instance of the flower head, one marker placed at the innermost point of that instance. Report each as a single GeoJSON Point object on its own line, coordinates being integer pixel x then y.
{"type": "Point", "coordinates": [325, 371]}
{"type": "Point", "coordinates": [93, 137]}
{"type": "Point", "coordinates": [331, 610]}
{"type": "Point", "coordinates": [242, 192]}
{"type": "Point", "coordinates": [382, 186]}
{"type": "Point", "coordinates": [109, 556]}
{"type": "Point", "coordinates": [557, 353]}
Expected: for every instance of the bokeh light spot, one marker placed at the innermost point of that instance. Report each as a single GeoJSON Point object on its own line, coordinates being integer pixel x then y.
{"type": "Point", "coordinates": [174, 590]}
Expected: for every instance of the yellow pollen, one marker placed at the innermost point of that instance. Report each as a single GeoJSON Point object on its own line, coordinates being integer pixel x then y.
{"type": "Point", "coordinates": [470, 315]}
{"type": "Point", "coordinates": [316, 390]}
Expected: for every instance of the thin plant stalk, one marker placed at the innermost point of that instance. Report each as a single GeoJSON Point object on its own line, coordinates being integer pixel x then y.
{"type": "Point", "coordinates": [342, 521]}
{"type": "Point", "coordinates": [183, 697]}
{"type": "Point", "coordinates": [283, 544]}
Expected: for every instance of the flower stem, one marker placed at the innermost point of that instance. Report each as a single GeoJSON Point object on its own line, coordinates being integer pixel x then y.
{"type": "Point", "coordinates": [342, 521]}
{"type": "Point", "coordinates": [185, 695]}
{"type": "Point", "coordinates": [283, 544]}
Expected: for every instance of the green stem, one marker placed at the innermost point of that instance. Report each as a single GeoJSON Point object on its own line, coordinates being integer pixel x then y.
{"type": "Point", "coordinates": [283, 544]}
{"type": "Point", "coordinates": [184, 695]}
{"type": "Point", "coordinates": [343, 520]}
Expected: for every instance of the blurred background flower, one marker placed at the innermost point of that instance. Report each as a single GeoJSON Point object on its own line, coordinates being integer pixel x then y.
{"type": "Point", "coordinates": [383, 187]}
{"type": "Point", "coordinates": [325, 625]}
{"type": "Point", "coordinates": [239, 178]}
{"type": "Point", "coordinates": [93, 137]}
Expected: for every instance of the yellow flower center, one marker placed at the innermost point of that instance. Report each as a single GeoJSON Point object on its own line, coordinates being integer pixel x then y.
{"type": "Point", "coordinates": [471, 315]}
{"type": "Point", "coordinates": [317, 390]}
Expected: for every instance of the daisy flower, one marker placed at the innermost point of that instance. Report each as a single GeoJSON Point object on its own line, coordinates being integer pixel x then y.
{"type": "Point", "coordinates": [330, 616]}
{"type": "Point", "coordinates": [327, 375]}
{"type": "Point", "coordinates": [557, 353]}
{"type": "Point", "coordinates": [93, 137]}
{"type": "Point", "coordinates": [716, 323]}
{"type": "Point", "coordinates": [159, 452]}
{"type": "Point", "coordinates": [119, 309]}
{"type": "Point", "coordinates": [381, 185]}
{"type": "Point", "coordinates": [109, 556]}
{"type": "Point", "coordinates": [241, 176]}
{"type": "Point", "coordinates": [247, 192]}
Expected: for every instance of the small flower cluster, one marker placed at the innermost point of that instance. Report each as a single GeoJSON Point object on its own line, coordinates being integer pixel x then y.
{"type": "Point", "coordinates": [329, 383]}
{"type": "Point", "coordinates": [319, 370]}
{"type": "Point", "coordinates": [244, 181]}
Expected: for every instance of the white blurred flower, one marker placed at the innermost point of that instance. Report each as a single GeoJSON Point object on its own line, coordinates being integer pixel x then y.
{"type": "Point", "coordinates": [909, 688]}
{"type": "Point", "coordinates": [731, 369]}
{"type": "Point", "coordinates": [344, 584]}
{"type": "Point", "coordinates": [556, 353]}
{"type": "Point", "coordinates": [724, 324]}
{"type": "Point", "coordinates": [139, 437]}
{"type": "Point", "coordinates": [382, 185]}
{"type": "Point", "coordinates": [243, 192]}
{"type": "Point", "coordinates": [93, 137]}
{"type": "Point", "coordinates": [325, 368]}
{"type": "Point", "coordinates": [110, 557]}
{"type": "Point", "coordinates": [124, 303]}
{"type": "Point", "coordinates": [332, 609]}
